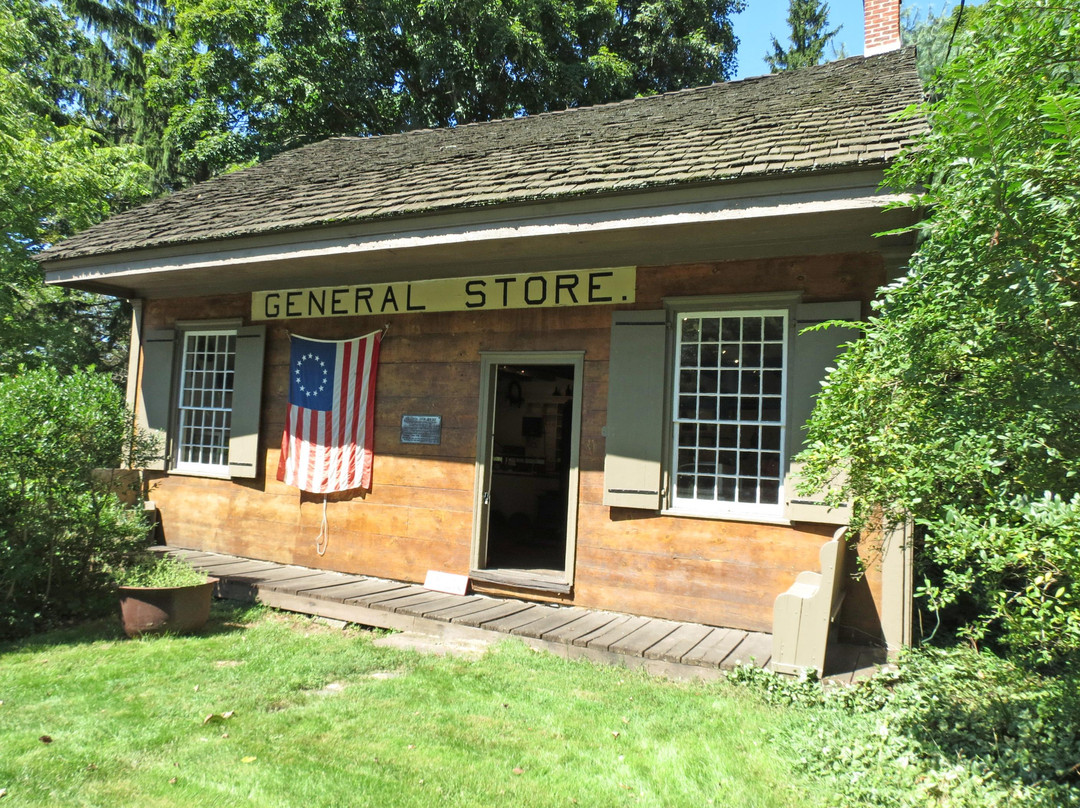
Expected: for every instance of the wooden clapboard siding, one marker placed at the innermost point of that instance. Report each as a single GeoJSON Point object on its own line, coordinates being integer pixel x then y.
{"type": "Point", "coordinates": [418, 515]}
{"type": "Point", "coordinates": [725, 573]}
{"type": "Point", "coordinates": [823, 277]}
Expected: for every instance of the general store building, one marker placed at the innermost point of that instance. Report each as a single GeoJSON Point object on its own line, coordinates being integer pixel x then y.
{"type": "Point", "coordinates": [594, 374]}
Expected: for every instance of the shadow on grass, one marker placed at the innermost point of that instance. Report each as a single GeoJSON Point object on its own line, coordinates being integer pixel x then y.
{"type": "Point", "coordinates": [226, 617]}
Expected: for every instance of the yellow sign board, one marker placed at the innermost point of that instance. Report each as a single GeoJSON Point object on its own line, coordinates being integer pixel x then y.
{"type": "Point", "coordinates": [579, 287]}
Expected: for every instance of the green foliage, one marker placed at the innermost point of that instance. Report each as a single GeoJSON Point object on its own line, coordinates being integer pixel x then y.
{"type": "Point", "coordinates": [59, 533]}
{"type": "Point", "coordinates": [935, 37]}
{"type": "Point", "coordinates": [242, 80]}
{"type": "Point", "coordinates": [963, 730]}
{"type": "Point", "coordinates": [159, 571]}
{"type": "Point", "coordinates": [866, 695]}
{"type": "Point", "coordinates": [57, 176]}
{"type": "Point", "coordinates": [110, 74]}
{"type": "Point", "coordinates": [1020, 559]}
{"type": "Point", "coordinates": [957, 729]}
{"type": "Point", "coordinates": [62, 328]}
{"type": "Point", "coordinates": [961, 405]}
{"type": "Point", "coordinates": [808, 22]}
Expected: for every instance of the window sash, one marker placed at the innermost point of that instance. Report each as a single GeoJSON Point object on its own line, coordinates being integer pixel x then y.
{"type": "Point", "coordinates": [729, 392]}
{"type": "Point", "coordinates": [205, 401]}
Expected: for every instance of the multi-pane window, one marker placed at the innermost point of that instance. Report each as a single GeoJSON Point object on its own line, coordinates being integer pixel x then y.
{"type": "Point", "coordinates": [206, 400]}
{"type": "Point", "coordinates": [730, 376]}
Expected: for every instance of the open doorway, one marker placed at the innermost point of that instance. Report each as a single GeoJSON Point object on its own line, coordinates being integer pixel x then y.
{"type": "Point", "coordinates": [528, 474]}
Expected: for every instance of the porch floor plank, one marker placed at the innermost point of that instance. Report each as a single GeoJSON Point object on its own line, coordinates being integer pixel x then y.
{"type": "Point", "coordinates": [349, 590]}
{"type": "Point", "coordinates": [612, 633]}
{"type": "Point", "coordinates": [220, 563]}
{"type": "Point", "coordinates": [593, 621]}
{"type": "Point", "coordinates": [686, 650]}
{"type": "Point", "coordinates": [380, 600]}
{"type": "Point", "coordinates": [523, 618]}
{"type": "Point", "coordinates": [469, 607]}
{"type": "Point", "coordinates": [413, 602]}
{"type": "Point", "coordinates": [755, 649]}
{"type": "Point", "coordinates": [432, 608]}
{"type": "Point", "coordinates": [638, 642]}
{"type": "Point", "coordinates": [440, 612]}
{"type": "Point", "coordinates": [272, 576]}
{"type": "Point", "coordinates": [236, 568]}
{"type": "Point", "coordinates": [302, 585]}
{"type": "Point", "coordinates": [369, 588]}
{"type": "Point", "coordinates": [676, 644]}
{"type": "Point", "coordinates": [201, 562]}
{"type": "Point", "coordinates": [560, 618]}
{"type": "Point", "coordinates": [183, 552]}
{"type": "Point", "coordinates": [505, 609]}
{"type": "Point", "coordinates": [715, 648]}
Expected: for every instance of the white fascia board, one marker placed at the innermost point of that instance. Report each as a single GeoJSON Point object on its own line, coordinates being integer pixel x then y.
{"type": "Point", "coordinates": [848, 193]}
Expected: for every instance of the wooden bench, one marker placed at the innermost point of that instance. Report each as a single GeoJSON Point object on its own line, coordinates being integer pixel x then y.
{"type": "Point", "coordinates": [804, 613]}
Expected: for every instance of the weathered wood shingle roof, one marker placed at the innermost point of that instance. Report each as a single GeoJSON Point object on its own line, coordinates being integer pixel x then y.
{"type": "Point", "coordinates": [833, 116]}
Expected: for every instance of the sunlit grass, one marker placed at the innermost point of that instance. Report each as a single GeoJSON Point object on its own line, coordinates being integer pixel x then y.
{"type": "Point", "coordinates": [322, 717]}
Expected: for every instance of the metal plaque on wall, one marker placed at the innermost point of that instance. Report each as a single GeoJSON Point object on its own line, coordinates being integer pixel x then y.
{"type": "Point", "coordinates": [421, 429]}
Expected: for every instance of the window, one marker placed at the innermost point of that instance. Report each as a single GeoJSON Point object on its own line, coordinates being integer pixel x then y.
{"type": "Point", "coordinates": [204, 411]}
{"type": "Point", "coordinates": [706, 402]}
{"type": "Point", "coordinates": [200, 393]}
{"type": "Point", "coordinates": [728, 412]}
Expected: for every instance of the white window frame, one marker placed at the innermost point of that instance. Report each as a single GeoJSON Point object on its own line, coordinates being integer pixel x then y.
{"type": "Point", "coordinates": [640, 464]}
{"type": "Point", "coordinates": [180, 465]}
{"type": "Point", "coordinates": [721, 508]}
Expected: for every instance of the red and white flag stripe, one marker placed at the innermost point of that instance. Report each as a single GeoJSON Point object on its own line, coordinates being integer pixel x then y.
{"type": "Point", "coordinates": [328, 450]}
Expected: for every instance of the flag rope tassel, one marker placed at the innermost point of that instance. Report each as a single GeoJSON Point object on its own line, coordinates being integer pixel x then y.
{"type": "Point", "coordinates": [323, 539]}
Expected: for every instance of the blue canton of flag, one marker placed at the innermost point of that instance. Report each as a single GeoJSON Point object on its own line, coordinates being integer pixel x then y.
{"type": "Point", "coordinates": [311, 381]}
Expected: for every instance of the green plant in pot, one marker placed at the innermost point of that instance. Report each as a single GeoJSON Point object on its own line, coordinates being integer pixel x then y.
{"type": "Point", "coordinates": [163, 594]}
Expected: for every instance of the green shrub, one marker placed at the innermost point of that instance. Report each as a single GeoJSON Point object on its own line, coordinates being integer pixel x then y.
{"type": "Point", "coordinates": [159, 571]}
{"type": "Point", "coordinates": [1020, 557]}
{"type": "Point", "coordinates": [60, 534]}
{"type": "Point", "coordinates": [954, 729]}
{"type": "Point", "coordinates": [961, 404]}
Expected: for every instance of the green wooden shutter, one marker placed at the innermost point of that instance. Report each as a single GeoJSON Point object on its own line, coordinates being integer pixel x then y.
{"type": "Point", "coordinates": [154, 412]}
{"type": "Point", "coordinates": [246, 402]}
{"type": "Point", "coordinates": [811, 354]}
{"type": "Point", "coordinates": [635, 412]}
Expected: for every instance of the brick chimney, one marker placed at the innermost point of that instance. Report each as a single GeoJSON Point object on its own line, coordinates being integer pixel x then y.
{"type": "Point", "coordinates": [882, 26]}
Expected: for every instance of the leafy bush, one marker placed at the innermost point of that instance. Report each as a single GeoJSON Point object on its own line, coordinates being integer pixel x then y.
{"type": "Point", "coordinates": [955, 729]}
{"type": "Point", "coordinates": [159, 571]}
{"type": "Point", "coordinates": [1021, 558]}
{"type": "Point", "coordinates": [961, 405]}
{"type": "Point", "coordinates": [60, 534]}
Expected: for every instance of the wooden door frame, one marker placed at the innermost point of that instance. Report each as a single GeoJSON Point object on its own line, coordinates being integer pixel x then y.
{"type": "Point", "coordinates": [489, 367]}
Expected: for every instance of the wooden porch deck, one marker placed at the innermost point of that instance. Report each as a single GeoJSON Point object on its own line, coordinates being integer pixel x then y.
{"type": "Point", "coordinates": [662, 647]}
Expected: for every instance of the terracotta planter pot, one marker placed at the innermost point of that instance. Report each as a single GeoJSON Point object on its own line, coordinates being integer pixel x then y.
{"type": "Point", "coordinates": [175, 609]}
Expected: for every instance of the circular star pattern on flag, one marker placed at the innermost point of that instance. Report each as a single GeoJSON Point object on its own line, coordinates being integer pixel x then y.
{"type": "Point", "coordinates": [299, 378]}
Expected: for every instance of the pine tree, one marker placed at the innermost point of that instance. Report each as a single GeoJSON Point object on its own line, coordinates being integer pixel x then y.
{"type": "Point", "coordinates": [58, 174]}
{"type": "Point", "coordinates": [111, 74]}
{"type": "Point", "coordinates": [809, 24]}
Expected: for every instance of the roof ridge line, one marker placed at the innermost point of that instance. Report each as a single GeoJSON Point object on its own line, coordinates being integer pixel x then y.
{"type": "Point", "coordinates": [782, 75]}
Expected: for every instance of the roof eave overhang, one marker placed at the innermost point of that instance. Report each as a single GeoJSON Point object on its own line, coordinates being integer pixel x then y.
{"type": "Point", "coordinates": [812, 213]}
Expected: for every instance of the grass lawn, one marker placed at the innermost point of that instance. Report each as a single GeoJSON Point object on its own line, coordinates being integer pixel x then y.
{"type": "Point", "coordinates": [321, 717]}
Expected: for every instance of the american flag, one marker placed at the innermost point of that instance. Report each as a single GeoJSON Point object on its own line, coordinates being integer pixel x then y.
{"type": "Point", "coordinates": [329, 430]}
